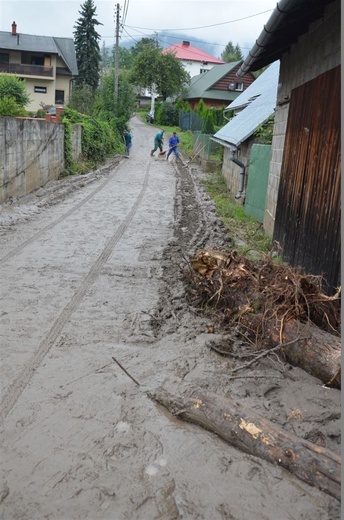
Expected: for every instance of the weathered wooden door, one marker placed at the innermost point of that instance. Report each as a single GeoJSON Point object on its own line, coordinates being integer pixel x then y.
{"type": "Point", "coordinates": [308, 208]}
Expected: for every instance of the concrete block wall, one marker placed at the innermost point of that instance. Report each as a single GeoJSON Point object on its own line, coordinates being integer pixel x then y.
{"type": "Point", "coordinates": [316, 52]}
{"type": "Point", "coordinates": [31, 154]}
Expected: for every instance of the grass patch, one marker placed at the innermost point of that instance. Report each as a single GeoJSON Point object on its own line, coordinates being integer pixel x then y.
{"type": "Point", "coordinates": [246, 232]}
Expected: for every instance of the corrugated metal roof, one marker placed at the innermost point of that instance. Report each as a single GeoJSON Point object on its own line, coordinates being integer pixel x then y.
{"type": "Point", "coordinates": [190, 53]}
{"type": "Point", "coordinates": [259, 100]}
{"type": "Point", "coordinates": [63, 47]}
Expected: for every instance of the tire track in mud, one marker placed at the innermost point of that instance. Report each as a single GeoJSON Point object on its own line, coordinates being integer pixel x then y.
{"type": "Point", "coordinates": [189, 212]}
{"type": "Point", "coordinates": [193, 229]}
{"type": "Point", "coordinates": [14, 391]}
{"type": "Point", "coordinates": [37, 235]}
{"type": "Point", "coordinates": [192, 213]}
{"type": "Point", "coordinates": [196, 227]}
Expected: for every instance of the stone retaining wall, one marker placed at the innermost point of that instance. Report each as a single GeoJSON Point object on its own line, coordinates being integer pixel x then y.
{"type": "Point", "coordinates": [31, 154]}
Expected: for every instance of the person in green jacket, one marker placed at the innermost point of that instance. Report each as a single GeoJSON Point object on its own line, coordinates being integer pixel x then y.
{"type": "Point", "coordinates": [158, 141]}
{"type": "Point", "coordinates": [127, 141]}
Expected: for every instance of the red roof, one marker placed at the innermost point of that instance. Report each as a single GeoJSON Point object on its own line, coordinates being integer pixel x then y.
{"type": "Point", "coordinates": [185, 51]}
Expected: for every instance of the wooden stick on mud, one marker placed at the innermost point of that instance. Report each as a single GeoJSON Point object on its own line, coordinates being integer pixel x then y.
{"type": "Point", "coordinates": [263, 354]}
{"type": "Point", "coordinates": [199, 148]}
{"type": "Point", "coordinates": [253, 434]}
{"type": "Point", "coordinates": [124, 370]}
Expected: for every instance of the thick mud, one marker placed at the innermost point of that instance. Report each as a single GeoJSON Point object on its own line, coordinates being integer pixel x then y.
{"type": "Point", "coordinates": [94, 318]}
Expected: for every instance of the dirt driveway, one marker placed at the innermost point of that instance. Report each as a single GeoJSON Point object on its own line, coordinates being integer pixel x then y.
{"type": "Point", "coordinates": [93, 318]}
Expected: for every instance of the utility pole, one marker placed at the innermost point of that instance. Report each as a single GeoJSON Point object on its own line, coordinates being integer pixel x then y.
{"type": "Point", "coordinates": [116, 52]}
{"type": "Point", "coordinates": [153, 86]}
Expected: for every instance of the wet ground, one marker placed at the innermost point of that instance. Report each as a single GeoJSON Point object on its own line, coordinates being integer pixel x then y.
{"type": "Point", "coordinates": [93, 319]}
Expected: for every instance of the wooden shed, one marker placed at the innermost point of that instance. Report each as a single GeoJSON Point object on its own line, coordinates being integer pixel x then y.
{"type": "Point", "coordinates": [303, 198]}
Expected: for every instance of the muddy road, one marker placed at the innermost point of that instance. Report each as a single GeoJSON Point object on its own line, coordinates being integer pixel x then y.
{"type": "Point", "coordinates": [94, 318]}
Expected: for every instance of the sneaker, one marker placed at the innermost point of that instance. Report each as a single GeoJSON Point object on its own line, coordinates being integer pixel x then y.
{"type": "Point", "coordinates": [151, 154]}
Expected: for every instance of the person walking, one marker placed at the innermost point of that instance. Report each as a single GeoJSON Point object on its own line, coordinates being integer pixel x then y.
{"type": "Point", "coordinates": [158, 141]}
{"type": "Point", "coordinates": [127, 141]}
{"type": "Point", "coordinates": [173, 145]}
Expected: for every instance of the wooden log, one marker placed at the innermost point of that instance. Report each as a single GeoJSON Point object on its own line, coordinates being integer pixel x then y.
{"type": "Point", "coordinates": [317, 352]}
{"type": "Point", "coordinates": [257, 436]}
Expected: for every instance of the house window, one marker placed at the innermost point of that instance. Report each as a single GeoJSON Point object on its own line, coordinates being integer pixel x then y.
{"type": "Point", "coordinates": [4, 58]}
{"type": "Point", "coordinates": [32, 59]}
{"type": "Point", "coordinates": [239, 87]}
{"type": "Point", "coordinates": [37, 60]}
{"type": "Point", "coordinates": [59, 97]}
{"type": "Point", "coordinates": [41, 90]}
{"type": "Point", "coordinates": [202, 71]}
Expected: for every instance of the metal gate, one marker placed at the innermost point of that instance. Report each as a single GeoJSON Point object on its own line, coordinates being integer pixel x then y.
{"type": "Point", "coordinates": [308, 210]}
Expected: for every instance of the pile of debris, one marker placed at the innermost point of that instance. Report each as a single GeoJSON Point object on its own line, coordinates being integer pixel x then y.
{"type": "Point", "coordinates": [271, 304]}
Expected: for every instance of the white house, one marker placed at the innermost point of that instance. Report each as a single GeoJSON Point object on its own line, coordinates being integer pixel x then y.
{"type": "Point", "coordinates": [194, 60]}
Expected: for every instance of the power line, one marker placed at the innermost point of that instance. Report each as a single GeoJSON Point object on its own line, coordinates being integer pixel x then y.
{"type": "Point", "coordinates": [130, 36]}
{"type": "Point", "coordinates": [125, 10]}
{"type": "Point", "coordinates": [148, 35]}
{"type": "Point", "coordinates": [126, 7]}
{"type": "Point", "coordinates": [203, 26]}
{"type": "Point", "coordinates": [169, 44]}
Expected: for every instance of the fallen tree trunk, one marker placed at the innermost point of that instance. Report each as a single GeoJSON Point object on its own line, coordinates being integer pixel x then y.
{"type": "Point", "coordinates": [316, 351]}
{"type": "Point", "coordinates": [257, 436]}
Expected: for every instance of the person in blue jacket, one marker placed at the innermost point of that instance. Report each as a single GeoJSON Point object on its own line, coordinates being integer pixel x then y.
{"type": "Point", "coordinates": [173, 145]}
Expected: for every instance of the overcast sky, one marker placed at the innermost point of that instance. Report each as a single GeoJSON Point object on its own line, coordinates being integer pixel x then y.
{"type": "Point", "coordinates": [215, 22]}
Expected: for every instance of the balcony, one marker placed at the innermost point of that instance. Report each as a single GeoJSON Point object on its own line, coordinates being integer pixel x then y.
{"type": "Point", "coordinates": [26, 70]}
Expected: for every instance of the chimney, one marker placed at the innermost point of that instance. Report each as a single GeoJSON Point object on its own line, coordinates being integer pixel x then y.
{"type": "Point", "coordinates": [186, 43]}
{"type": "Point", "coordinates": [14, 28]}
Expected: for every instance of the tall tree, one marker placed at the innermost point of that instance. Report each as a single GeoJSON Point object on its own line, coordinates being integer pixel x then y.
{"type": "Point", "coordinates": [107, 107]}
{"type": "Point", "coordinates": [232, 53]}
{"type": "Point", "coordinates": [86, 41]}
{"type": "Point", "coordinates": [125, 58]}
{"type": "Point", "coordinates": [162, 72]}
{"type": "Point", "coordinates": [141, 45]}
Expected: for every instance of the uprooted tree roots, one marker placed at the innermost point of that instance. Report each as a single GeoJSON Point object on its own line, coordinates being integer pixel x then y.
{"type": "Point", "coordinates": [257, 294]}
{"type": "Point", "coordinates": [260, 298]}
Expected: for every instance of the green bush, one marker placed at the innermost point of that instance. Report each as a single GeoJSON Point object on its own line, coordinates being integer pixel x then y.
{"type": "Point", "coordinates": [10, 108]}
{"type": "Point", "coordinates": [166, 114]}
{"type": "Point", "coordinates": [170, 115]}
{"type": "Point", "coordinates": [264, 132]}
{"type": "Point", "coordinates": [41, 113]}
{"type": "Point", "coordinates": [208, 127]}
{"type": "Point", "coordinates": [183, 105]}
{"type": "Point", "coordinates": [219, 120]}
{"type": "Point", "coordinates": [201, 108]}
{"type": "Point", "coordinates": [100, 139]}
{"type": "Point", "coordinates": [12, 87]}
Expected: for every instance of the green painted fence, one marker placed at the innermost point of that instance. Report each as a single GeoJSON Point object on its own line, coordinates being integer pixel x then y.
{"type": "Point", "coordinates": [257, 181]}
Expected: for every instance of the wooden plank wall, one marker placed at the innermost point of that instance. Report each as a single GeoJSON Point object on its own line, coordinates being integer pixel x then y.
{"type": "Point", "coordinates": [308, 210]}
